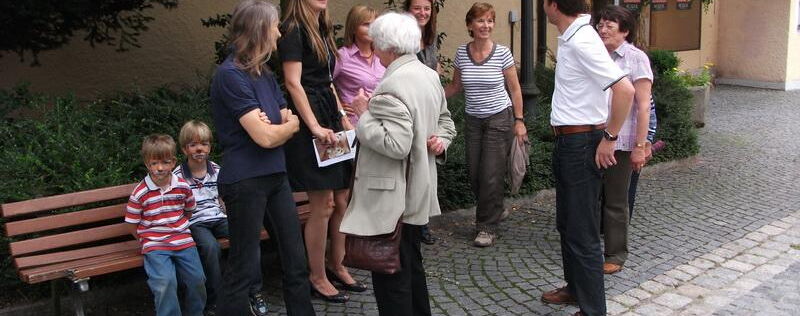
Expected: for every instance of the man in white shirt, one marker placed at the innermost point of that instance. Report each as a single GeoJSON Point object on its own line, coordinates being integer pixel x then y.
{"type": "Point", "coordinates": [586, 130]}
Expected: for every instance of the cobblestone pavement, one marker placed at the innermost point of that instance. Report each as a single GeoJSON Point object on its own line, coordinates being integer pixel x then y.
{"type": "Point", "coordinates": [717, 234]}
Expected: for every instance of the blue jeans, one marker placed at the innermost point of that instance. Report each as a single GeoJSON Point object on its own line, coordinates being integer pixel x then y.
{"type": "Point", "coordinates": [205, 235]}
{"type": "Point", "coordinates": [578, 185]}
{"type": "Point", "coordinates": [162, 266]}
{"type": "Point", "coordinates": [267, 202]}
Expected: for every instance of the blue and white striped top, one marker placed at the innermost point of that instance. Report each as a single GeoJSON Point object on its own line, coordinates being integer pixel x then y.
{"type": "Point", "coordinates": [483, 82]}
{"type": "Point", "coordinates": [205, 193]}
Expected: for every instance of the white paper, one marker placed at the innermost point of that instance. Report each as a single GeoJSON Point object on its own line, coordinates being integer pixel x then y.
{"type": "Point", "coordinates": [343, 149]}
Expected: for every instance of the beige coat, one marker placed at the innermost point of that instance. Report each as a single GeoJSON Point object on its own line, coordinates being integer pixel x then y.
{"type": "Point", "coordinates": [407, 107]}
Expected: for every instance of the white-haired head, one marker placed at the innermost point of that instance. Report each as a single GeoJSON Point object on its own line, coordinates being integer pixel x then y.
{"type": "Point", "coordinates": [395, 32]}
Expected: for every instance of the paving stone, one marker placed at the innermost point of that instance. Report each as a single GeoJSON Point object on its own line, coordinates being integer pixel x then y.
{"type": "Point", "coordinates": [638, 293]}
{"type": "Point", "coordinates": [626, 300]}
{"type": "Point", "coordinates": [614, 308]}
{"type": "Point", "coordinates": [738, 265]}
{"type": "Point", "coordinates": [690, 269]}
{"type": "Point", "coordinates": [763, 252]}
{"type": "Point", "coordinates": [691, 290]}
{"type": "Point", "coordinates": [678, 275]}
{"type": "Point", "coordinates": [771, 230]}
{"type": "Point", "coordinates": [672, 300]}
{"type": "Point", "coordinates": [653, 287]}
{"type": "Point", "coordinates": [652, 309]}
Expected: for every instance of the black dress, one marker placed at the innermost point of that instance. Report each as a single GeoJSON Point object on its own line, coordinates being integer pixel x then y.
{"type": "Point", "coordinates": [301, 163]}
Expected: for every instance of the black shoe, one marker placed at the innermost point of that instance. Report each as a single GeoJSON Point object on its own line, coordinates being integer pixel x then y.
{"type": "Point", "coordinates": [353, 287]}
{"type": "Point", "coordinates": [427, 237]}
{"type": "Point", "coordinates": [335, 298]}
{"type": "Point", "coordinates": [258, 306]}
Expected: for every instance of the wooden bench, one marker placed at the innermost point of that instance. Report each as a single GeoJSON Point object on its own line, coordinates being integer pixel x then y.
{"type": "Point", "coordinates": [87, 239]}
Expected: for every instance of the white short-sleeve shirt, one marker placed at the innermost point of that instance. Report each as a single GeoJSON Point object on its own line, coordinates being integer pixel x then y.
{"type": "Point", "coordinates": [584, 71]}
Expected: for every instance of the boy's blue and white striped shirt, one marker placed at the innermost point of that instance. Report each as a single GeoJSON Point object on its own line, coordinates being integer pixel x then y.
{"type": "Point", "coordinates": [205, 193]}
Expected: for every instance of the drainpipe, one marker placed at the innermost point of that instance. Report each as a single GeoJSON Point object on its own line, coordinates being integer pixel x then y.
{"type": "Point", "coordinates": [541, 33]}
{"type": "Point", "coordinates": [527, 78]}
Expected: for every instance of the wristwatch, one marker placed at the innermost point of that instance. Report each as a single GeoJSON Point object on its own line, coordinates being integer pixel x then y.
{"type": "Point", "coordinates": [609, 137]}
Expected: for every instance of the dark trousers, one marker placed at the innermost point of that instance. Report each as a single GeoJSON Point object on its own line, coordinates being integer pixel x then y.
{"type": "Point", "coordinates": [488, 141]}
{"type": "Point", "coordinates": [578, 185]}
{"type": "Point", "coordinates": [616, 185]}
{"type": "Point", "coordinates": [252, 203]}
{"type": "Point", "coordinates": [205, 235]}
{"type": "Point", "coordinates": [404, 293]}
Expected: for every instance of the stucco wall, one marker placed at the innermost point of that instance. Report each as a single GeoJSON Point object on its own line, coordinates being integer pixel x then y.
{"type": "Point", "coordinates": [707, 53]}
{"type": "Point", "coordinates": [753, 40]}
{"type": "Point", "coordinates": [178, 50]}
{"type": "Point", "coordinates": [793, 62]}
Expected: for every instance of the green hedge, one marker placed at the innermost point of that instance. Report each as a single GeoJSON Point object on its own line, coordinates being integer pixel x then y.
{"type": "Point", "coordinates": [60, 145]}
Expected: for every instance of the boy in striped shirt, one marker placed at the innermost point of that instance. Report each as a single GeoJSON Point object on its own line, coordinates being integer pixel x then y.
{"type": "Point", "coordinates": [159, 210]}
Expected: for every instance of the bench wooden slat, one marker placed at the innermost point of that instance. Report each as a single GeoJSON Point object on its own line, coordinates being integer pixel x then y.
{"type": "Point", "coordinates": [70, 255]}
{"type": "Point", "coordinates": [127, 263]}
{"type": "Point", "coordinates": [68, 239]}
{"type": "Point", "coordinates": [121, 264]}
{"type": "Point", "coordinates": [61, 270]}
{"type": "Point", "coordinates": [66, 200]}
{"type": "Point", "coordinates": [64, 220]}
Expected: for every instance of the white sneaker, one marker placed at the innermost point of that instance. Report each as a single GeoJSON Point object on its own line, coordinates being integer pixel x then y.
{"type": "Point", "coordinates": [484, 239]}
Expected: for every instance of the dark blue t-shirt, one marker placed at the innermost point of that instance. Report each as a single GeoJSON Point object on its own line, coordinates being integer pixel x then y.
{"type": "Point", "coordinates": [234, 93]}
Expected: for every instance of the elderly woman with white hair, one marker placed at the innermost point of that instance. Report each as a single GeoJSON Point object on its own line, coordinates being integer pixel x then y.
{"type": "Point", "coordinates": [402, 132]}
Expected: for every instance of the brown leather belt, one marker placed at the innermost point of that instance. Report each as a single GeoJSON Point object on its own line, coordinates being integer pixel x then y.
{"type": "Point", "coordinates": [572, 129]}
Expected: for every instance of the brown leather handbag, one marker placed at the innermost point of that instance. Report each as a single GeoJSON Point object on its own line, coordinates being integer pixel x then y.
{"type": "Point", "coordinates": [379, 253]}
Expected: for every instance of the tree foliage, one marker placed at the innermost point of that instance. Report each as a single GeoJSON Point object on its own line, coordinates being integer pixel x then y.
{"type": "Point", "coordinates": [31, 26]}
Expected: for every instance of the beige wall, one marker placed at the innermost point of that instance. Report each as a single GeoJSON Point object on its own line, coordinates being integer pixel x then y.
{"type": "Point", "coordinates": [707, 53]}
{"type": "Point", "coordinates": [451, 21]}
{"type": "Point", "coordinates": [753, 45]}
{"type": "Point", "coordinates": [178, 50]}
{"type": "Point", "coordinates": [793, 63]}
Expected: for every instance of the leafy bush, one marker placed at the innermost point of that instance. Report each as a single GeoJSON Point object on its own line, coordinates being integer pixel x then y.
{"type": "Point", "coordinates": [674, 111]}
{"type": "Point", "coordinates": [65, 146]}
{"type": "Point", "coordinates": [663, 61]}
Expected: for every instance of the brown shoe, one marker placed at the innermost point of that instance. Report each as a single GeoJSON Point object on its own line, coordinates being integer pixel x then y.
{"type": "Point", "coordinates": [611, 268]}
{"type": "Point", "coordinates": [559, 296]}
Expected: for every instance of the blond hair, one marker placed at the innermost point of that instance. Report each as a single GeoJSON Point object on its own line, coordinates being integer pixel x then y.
{"type": "Point", "coordinates": [194, 130]}
{"type": "Point", "coordinates": [357, 15]}
{"type": "Point", "coordinates": [251, 34]}
{"type": "Point", "coordinates": [299, 14]}
{"type": "Point", "coordinates": [158, 146]}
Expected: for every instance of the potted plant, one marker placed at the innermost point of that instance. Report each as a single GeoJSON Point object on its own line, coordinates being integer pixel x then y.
{"type": "Point", "coordinates": [699, 83]}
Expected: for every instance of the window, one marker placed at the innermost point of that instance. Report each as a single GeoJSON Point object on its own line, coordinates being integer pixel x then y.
{"type": "Point", "coordinates": [676, 26]}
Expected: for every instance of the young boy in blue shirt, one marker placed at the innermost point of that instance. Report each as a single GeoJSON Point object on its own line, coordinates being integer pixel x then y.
{"type": "Point", "coordinates": [159, 210]}
{"type": "Point", "coordinates": [208, 222]}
